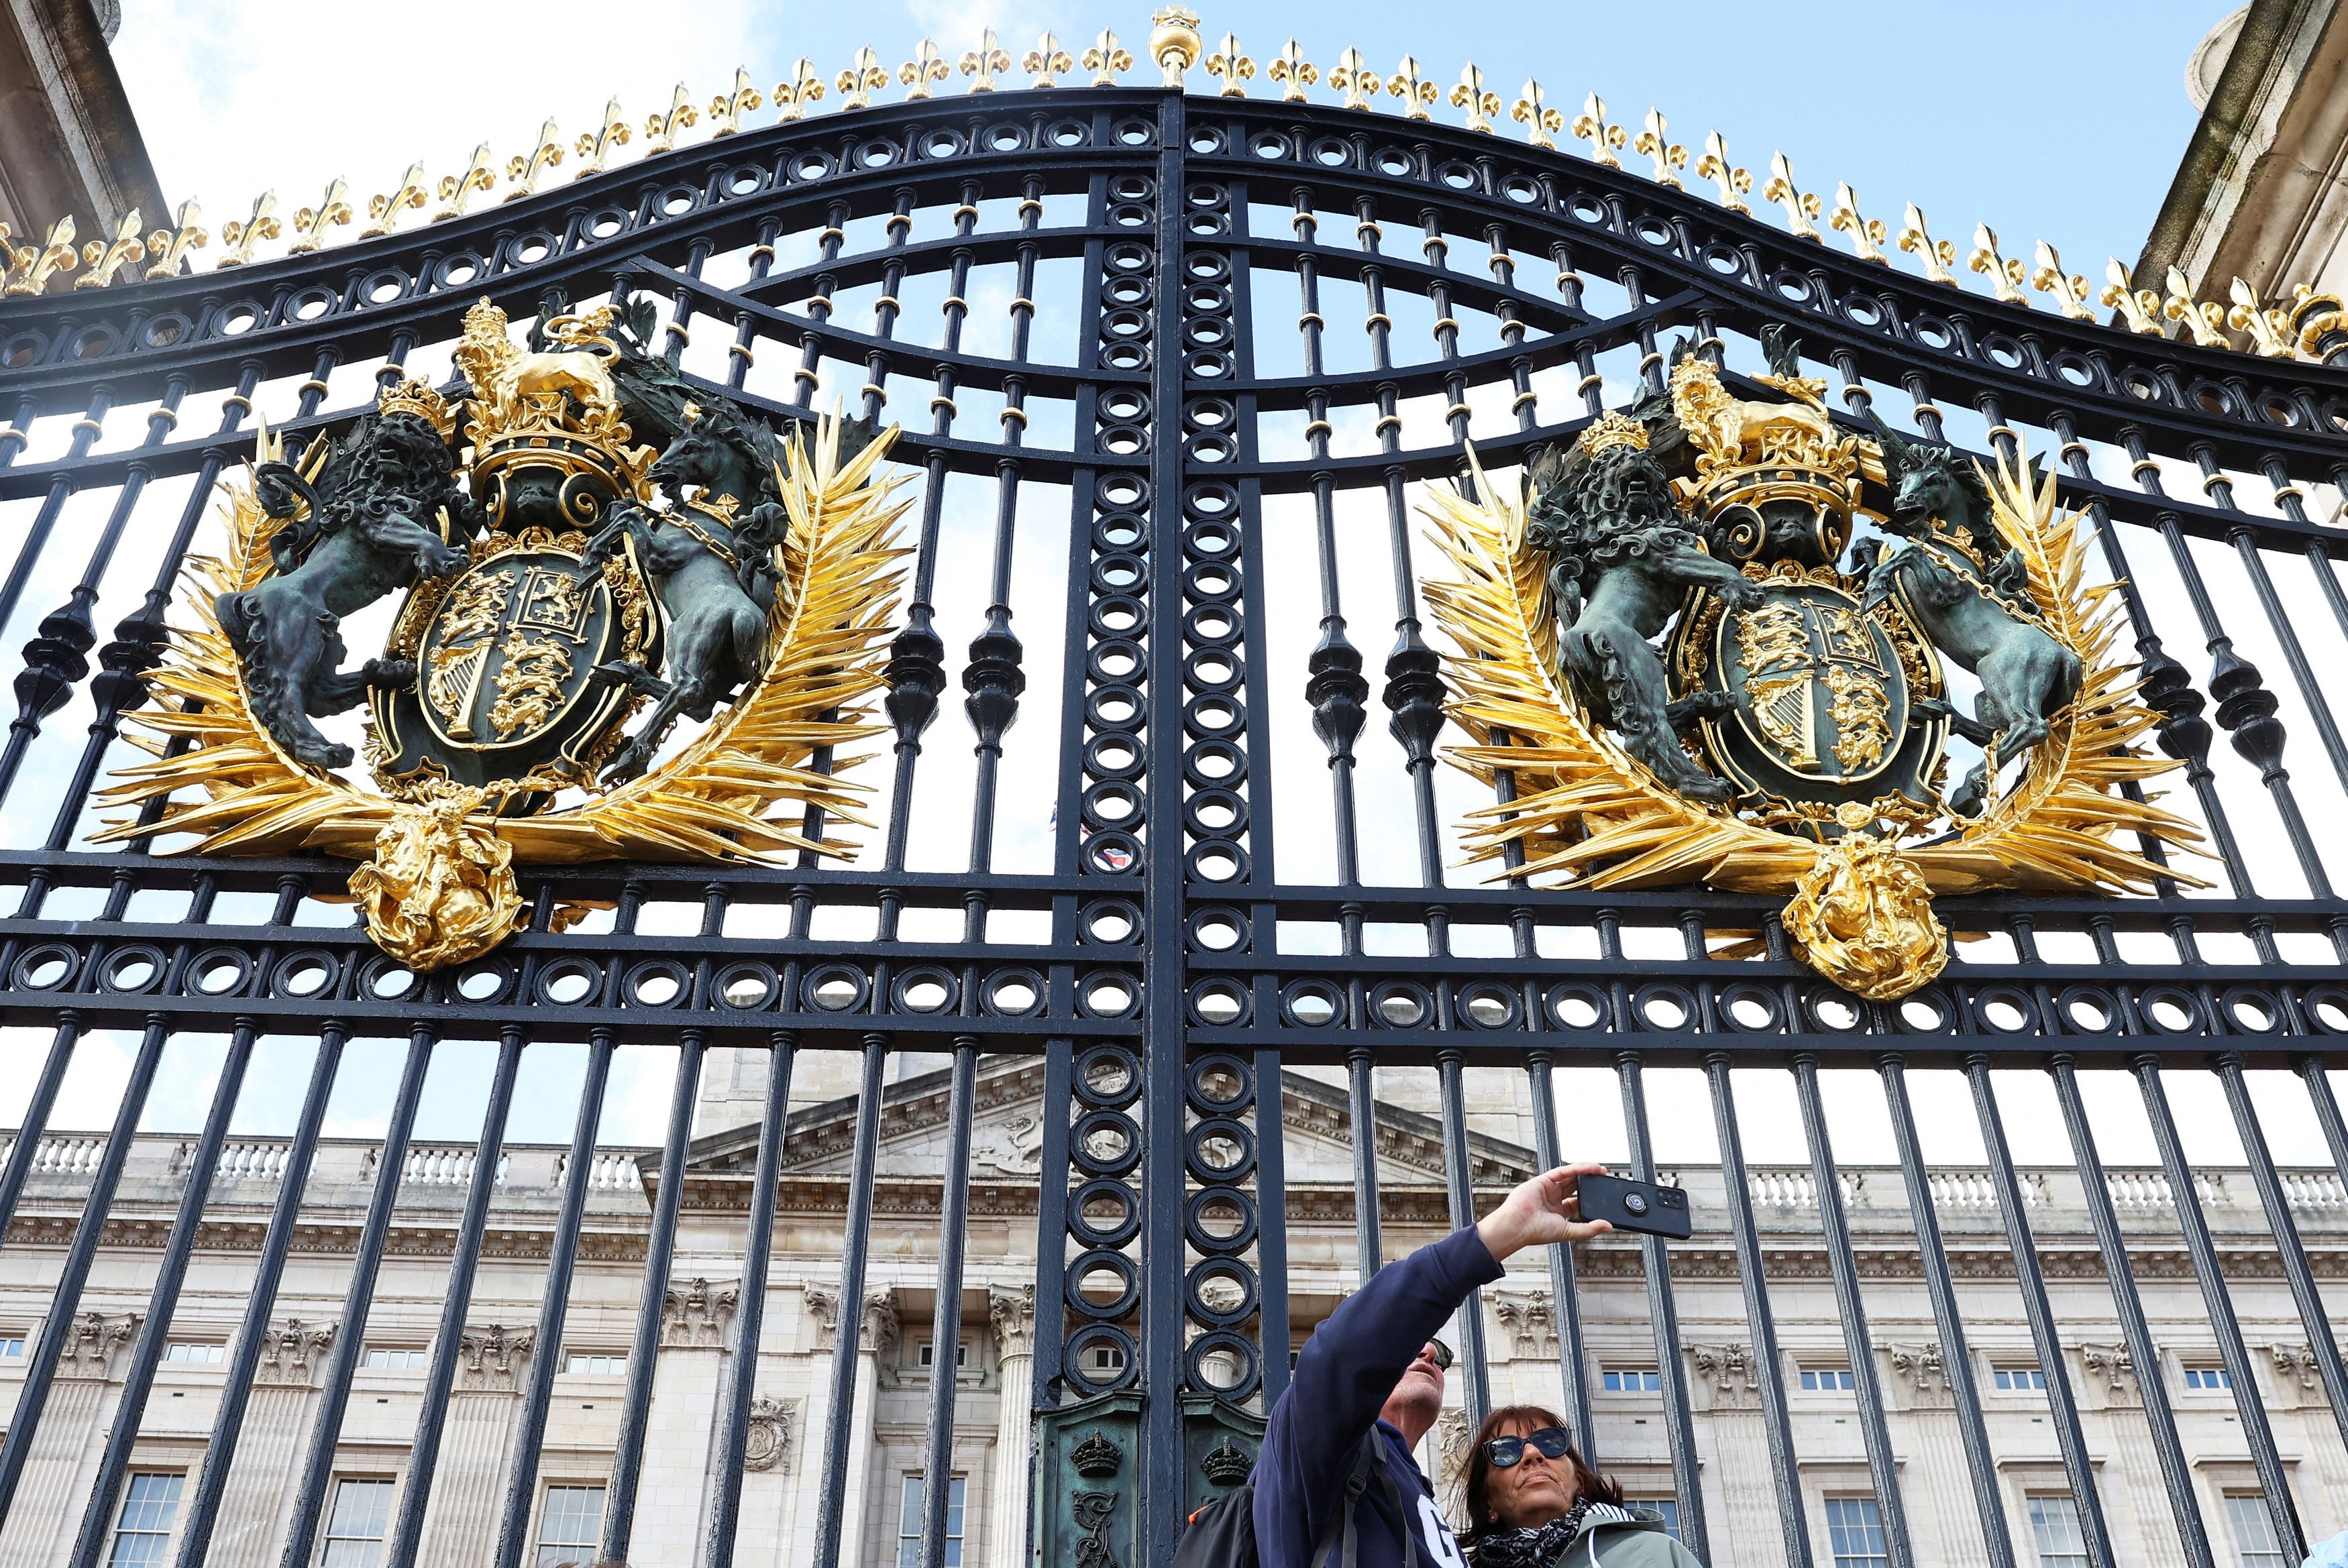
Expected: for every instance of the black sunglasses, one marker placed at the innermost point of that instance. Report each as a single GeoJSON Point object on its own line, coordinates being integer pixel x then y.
{"type": "Point", "coordinates": [1504, 1452]}
{"type": "Point", "coordinates": [1443, 1356]}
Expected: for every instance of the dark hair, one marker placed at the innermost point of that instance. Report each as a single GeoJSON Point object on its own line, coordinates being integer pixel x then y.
{"type": "Point", "coordinates": [1475, 1503]}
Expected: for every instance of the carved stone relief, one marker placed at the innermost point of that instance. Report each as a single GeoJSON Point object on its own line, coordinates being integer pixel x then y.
{"type": "Point", "coordinates": [693, 1316]}
{"type": "Point", "coordinates": [774, 1425]}
{"type": "Point", "coordinates": [91, 1341]}
{"type": "Point", "coordinates": [1925, 1373]}
{"type": "Point", "coordinates": [490, 1359]}
{"type": "Point", "coordinates": [288, 1350]}
{"type": "Point", "coordinates": [2113, 1369]}
{"type": "Point", "coordinates": [1528, 1327]}
{"type": "Point", "coordinates": [1726, 1373]}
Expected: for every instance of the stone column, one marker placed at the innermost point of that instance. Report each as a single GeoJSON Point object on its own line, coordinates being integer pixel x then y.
{"type": "Point", "coordinates": [2135, 1503]}
{"type": "Point", "coordinates": [769, 1449]}
{"type": "Point", "coordinates": [277, 1417]}
{"type": "Point", "coordinates": [683, 1435]}
{"type": "Point", "coordinates": [2297, 1385]}
{"type": "Point", "coordinates": [878, 1328]}
{"type": "Point", "coordinates": [1922, 1381]}
{"type": "Point", "coordinates": [1012, 1314]}
{"type": "Point", "coordinates": [460, 1523]}
{"type": "Point", "coordinates": [1740, 1501]}
{"type": "Point", "coordinates": [882, 1329]}
{"type": "Point", "coordinates": [50, 1495]}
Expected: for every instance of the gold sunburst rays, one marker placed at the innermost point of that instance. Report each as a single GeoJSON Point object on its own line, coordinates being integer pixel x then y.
{"type": "Point", "coordinates": [1585, 814]}
{"type": "Point", "coordinates": [719, 798]}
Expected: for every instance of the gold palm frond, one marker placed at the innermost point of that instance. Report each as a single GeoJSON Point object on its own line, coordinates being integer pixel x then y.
{"type": "Point", "coordinates": [723, 796]}
{"type": "Point", "coordinates": [1588, 814]}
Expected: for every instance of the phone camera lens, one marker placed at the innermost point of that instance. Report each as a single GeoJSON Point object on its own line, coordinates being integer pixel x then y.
{"type": "Point", "coordinates": [1636, 1202]}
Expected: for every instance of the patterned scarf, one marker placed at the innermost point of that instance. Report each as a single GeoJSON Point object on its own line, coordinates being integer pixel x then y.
{"type": "Point", "coordinates": [1536, 1547]}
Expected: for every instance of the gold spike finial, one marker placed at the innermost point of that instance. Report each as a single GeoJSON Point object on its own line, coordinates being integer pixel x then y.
{"type": "Point", "coordinates": [1230, 65]}
{"type": "Point", "coordinates": [1174, 42]}
{"type": "Point", "coordinates": [1801, 206]}
{"type": "Point", "coordinates": [862, 78]}
{"type": "Point", "coordinates": [1045, 61]}
{"type": "Point", "coordinates": [2069, 289]}
{"type": "Point", "coordinates": [385, 210]}
{"type": "Point", "coordinates": [661, 130]}
{"type": "Point", "coordinates": [2205, 319]}
{"type": "Point", "coordinates": [310, 223]}
{"type": "Point", "coordinates": [1418, 95]}
{"type": "Point", "coordinates": [1716, 167]}
{"type": "Point", "coordinates": [1480, 102]}
{"type": "Point", "coordinates": [1670, 155]}
{"type": "Point", "coordinates": [2140, 308]}
{"type": "Point", "coordinates": [2270, 330]}
{"type": "Point", "coordinates": [241, 234]}
{"type": "Point", "coordinates": [927, 65]}
{"type": "Point", "coordinates": [523, 169]}
{"type": "Point", "coordinates": [1605, 140]}
{"type": "Point", "coordinates": [1541, 123]}
{"type": "Point", "coordinates": [101, 258]}
{"type": "Point", "coordinates": [457, 190]}
{"type": "Point", "coordinates": [1867, 234]}
{"type": "Point", "coordinates": [30, 267]}
{"type": "Point", "coordinates": [1937, 255]}
{"type": "Point", "coordinates": [169, 247]}
{"type": "Point", "coordinates": [1293, 72]}
{"type": "Point", "coordinates": [1353, 76]}
{"type": "Point", "coordinates": [596, 150]}
{"type": "Point", "coordinates": [727, 109]}
{"type": "Point", "coordinates": [1106, 58]}
{"type": "Point", "coordinates": [2005, 277]}
{"type": "Point", "coordinates": [804, 87]}
{"type": "Point", "coordinates": [981, 63]}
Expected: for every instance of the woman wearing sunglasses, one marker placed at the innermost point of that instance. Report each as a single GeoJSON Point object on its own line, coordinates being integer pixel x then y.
{"type": "Point", "coordinates": [1533, 1502]}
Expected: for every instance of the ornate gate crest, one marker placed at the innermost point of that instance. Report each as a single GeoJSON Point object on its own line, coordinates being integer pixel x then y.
{"type": "Point", "coordinates": [557, 576]}
{"type": "Point", "coordinates": [1788, 735]}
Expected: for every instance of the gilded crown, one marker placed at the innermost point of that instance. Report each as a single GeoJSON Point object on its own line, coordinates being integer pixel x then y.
{"type": "Point", "coordinates": [1226, 1464]}
{"type": "Point", "coordinates": [1614, 428]}
{"type": "Point", "coordinates": [558, 409]}
{"type": "Point", "coordinates": [413, 397]}
{"type": "Point", "coordinates": [1096, 1457]}
{"type": "Point", "coordinates": [1750, 454]}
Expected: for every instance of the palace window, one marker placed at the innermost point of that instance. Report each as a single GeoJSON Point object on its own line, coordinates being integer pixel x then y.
{"type": "Point", "coordinates": [12, 1347]}
{"type": "Point", "coordinates": [189, 1351]}
{"type": "Point", "coordinates": [1108, 1360]}
{"type": "Point", "coordinates": [2055, 1528]}
{"type": "Point", "coordinates": [1822, 1379]}
{"type": "Point", "coordinates": [1669, 1507]}
{"type": "Point", "coordinates": [142, 1531]}
{"type": "Point", "coordinates": [357, 1524]}
{"type": "Point", "coordinates": [595, 1363]}
{"type": "Point", "coordinates": [1631, 1381]}
{"type": "Point", "coordinates": [909, 1522]}
{"type": "Point", "coordinates": [2209, 1377]}
{"type": "Point", "coordinates": [2018, 1379]}
{"type": "Point", "coordinates": [2254, 1531]}
{"type": "Point", "coordinates": [1855, 1533]}
{"type": "Point", "coordinates": [571, 1527]}
{"type": "Point", "coordinates": [394, 1361]}
{"type": "Point", "coordinates": [929, 1355]}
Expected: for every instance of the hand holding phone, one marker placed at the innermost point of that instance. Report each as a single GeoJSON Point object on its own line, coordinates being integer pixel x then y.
{"type": "Point", "coordinates": [1643, 1207]}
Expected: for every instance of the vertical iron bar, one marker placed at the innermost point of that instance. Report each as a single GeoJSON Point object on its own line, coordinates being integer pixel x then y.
{"type": "Point", "coordinates": [1881, 1467]}
{"type": "Point", "coordinates": [546, 1355]}
{"type": "Point", "coordinates": [1784, 1476]}
{"type": "Point", "coordinates": [945, 1320]}
{"type": "Point", "coordinates": [1687, 1487]}
{"type": "Point", "coordinates": [750, 1307]}
{"type": "Point", "coordinates": [832, 1501]}
{"type": "Point", "coordinates": [1362, 1105]}
{"type": "Point", "coordinates": [1565, 1299]}
{"type": "Point", "coordinates": [350, 1334]}
{"type": "Point", "coordinates": [1459, 1181]}
{"type": "Point", "coordinates": [35, 1121]}
{"type": "Point", "coordinates": [1271, 1225]}
{"type": "Point", "coordinates": [652, 1305]}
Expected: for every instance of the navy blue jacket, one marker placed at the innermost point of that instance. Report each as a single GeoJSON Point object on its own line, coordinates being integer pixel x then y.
{"type": "Point", "coordinates": [1342, 1377]}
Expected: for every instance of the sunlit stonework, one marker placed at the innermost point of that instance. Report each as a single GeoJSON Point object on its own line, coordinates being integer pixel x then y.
{"type": "Point", "coordinates": [1696, 674]}
{"type": "Point", "coordinates": [582, 540]}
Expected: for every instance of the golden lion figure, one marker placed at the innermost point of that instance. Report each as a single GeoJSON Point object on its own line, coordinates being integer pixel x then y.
{"type": "Point", "coordinates": [438, 891]}
{"type": "Point", "coordinates": [1863, 915]}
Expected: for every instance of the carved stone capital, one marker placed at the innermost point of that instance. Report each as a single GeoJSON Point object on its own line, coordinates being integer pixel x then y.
{"type": "Point", "coordinates": [1451, 1441]}
{"type": "Point", "coordinates": [2295, 1371]}
{"type": "Point", "coordinates": [1012, 1314]}
{"type": "Point", "coordinates": [822, 1305]}
{"type": "Point", "coordinates": [1528, 1326]}
{"type": "Point", "coordinates": [288, 1352]}
{"type": "Point", "coordinates": [490, 1359]}
{"type": "Point", "coordinates": [1926, 1374]}
{"type": "Point", "coordinates": [2111, 1368]}
{"type": "Point", "coordinates": [693, 1316]}
{"type": "Point", "coordinates": [774, 1427]}
{"type": "Point", "coordinates": [883, 1326]}
{"type": "Point", "coordinates": [1726, 1373]}
{"type": "Point", "coordinates": [91, 1341]}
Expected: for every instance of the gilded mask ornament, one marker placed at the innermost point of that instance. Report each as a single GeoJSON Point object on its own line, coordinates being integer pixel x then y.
{"type": "Point", "coordinates": [1703, 678]}
{"type": "Point", "coordinates": [580, 536]}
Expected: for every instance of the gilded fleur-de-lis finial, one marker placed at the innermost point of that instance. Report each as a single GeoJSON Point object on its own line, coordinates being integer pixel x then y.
{"type": "Point", "coordinates": [30, 267]}
{"type": "Point", "coordinates": [1716, 167]}
{"type": "Point", "coordinates": [727, 109]}
{"type": "Point", "coordinates": [1174, 42]}
{"type": "Point", "coordinates": [2268, 329]}
{"type": "Point", "coordinates": [1867, 234]}
{"type": "Point", "coordinates": [1353, 76]}
{"type": "Point", "coordinates": [1937, 255]}
{"type": "Point", "coordinates": [2004, 276]}
{"type": "Point", "coordinates": [385, 210]}
{"type": "Point", "coordinates": [660, 130]}
{"type": "Point", "coordinates": [927, 65]}
{"type": "Point", "coordinates": [524, 170]}
{"type": "Point", "coordinates": [2205, 321]}
{"type": "Point", "coordinates": [982, 63]}
{"type": "Point", "coordinates": [2069, 289]}
{"type": "Point", "coordinates": [857, 84]}
{"type": "Point", "coordinates": [241, 234]}
{"type": "Point", "coordinates": [167, 248]}
{"type": "Point", "coordinates": [595, 149]}
{"type": "Point", "coordinates": [1541, 122]}
{"type": "Point", "coordinates": [1480, 101]}
{"type": "Point", "coordinates": [101, 258]}
{"type": "Point", "coordinates": [1293, 72]}
{"type": "Point", "coordinates": [1045, 61]}
{"type": "Point", "coordinates": [1106, 58]}
{"type": "Point", "coordinates": [1670, 155]}
{"type": "Point", "coordinates": [1417, 94]}
{"type": "Point", "coordinates": [457, 190]}
{"type": "Point", "coordinates": [804, 87]}
{"type": "Point", "coordinates": [1605, 140]}
{"type": "Point", "coordinates": [310, 223]}
{"type": "Point", "coordinates": [2140, 308]}
{"type": "Point", "coordinates": [1228, 65]}
{"type": "Point", "coordinates": [1800, 205]}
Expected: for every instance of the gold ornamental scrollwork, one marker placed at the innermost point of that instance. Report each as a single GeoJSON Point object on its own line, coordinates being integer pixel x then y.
{"type": "Point", "coordinates": [1859, 877]}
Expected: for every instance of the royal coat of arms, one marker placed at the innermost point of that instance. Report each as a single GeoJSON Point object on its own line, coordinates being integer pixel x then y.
{"type": "Point", "coordinates": [589, 552]}
{"type": "Point", "coordinates": [1694, 670]}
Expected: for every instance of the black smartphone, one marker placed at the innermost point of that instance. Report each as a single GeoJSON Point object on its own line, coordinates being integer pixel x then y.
{"type": "Point", "coordinates": [1636, 1206]}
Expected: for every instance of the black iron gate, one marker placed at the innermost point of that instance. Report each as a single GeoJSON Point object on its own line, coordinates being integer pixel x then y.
{"type": "Point", "coordinates": [1502, 289]}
